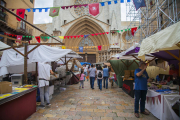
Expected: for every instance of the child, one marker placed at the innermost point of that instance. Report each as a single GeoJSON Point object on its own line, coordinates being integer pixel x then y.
{"type": "Point", "coordinates": [82, 76]}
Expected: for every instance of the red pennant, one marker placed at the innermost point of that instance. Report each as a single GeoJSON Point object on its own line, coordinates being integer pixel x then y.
{"type": "Point", "coordinates": [103, 33]}
{"type": "Point", "coordinates": [64, 37]}
{"type": "Point", "coordinates": [153, 99]}
{"type": "Point", "coordinates": [100, 33]}
{"type": "Point", "coordinates": [19, 37]}
{"type": "Point", "coordinates": [92, 34]}
{"type": "Point", "coordinates": [38, 39]}
{"type": "Point", "coordinates": [159, 97]}
{"type": "Point", "coordinates": [12, 35]}
{"type": "Point", "coordinates": [20, 13]}
{"type": "Point", "coordinates": [71, 36]}
{"type": "Point", "coordinates": [75, 36]}
{"type": "Point", "coordinates": [68, 37]}
{"type": "Point", "coordinates": [94, 9]}
{"type": "Point", "coordinates": [147, 99]}
{"type": "Point", "coordinates": [107, 32]}
{"type": "Point", "coordinates": [96, 34]}
{"type": "Point", "coordinates": [99, 47]}
{"type": "Point", "coordinates": [82, 35]}
{"type": "Point", "coordinates": [133, 30]}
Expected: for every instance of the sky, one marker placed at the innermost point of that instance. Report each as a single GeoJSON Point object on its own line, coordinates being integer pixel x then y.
{"type": "Point", "coordinates": [43, 17]}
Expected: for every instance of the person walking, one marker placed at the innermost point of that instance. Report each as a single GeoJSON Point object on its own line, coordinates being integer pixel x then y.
{"type": "Point", "coordinates": [85, 71]}
{"type": "Point", "coordinates": [141, 78]}
{"type": "Point", "coordinates": [44, 70]}
{"type": "Point", "coordinates": [99, 76]}
{"type": "Point", "coordinates": [92, 74]}
{"type": "Point", "coordinates": [105, 76]}
{"type": "Point", "coordinates": [96, 76]}
{"type": "Point", "coordinates": [81, 79]}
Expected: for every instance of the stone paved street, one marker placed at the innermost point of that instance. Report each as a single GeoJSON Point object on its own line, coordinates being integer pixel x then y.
{"type": "Point", "coordinates": [88, 104]}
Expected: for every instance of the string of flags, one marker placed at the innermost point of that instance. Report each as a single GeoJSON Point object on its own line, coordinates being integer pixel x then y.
{"type": "Point", "coordinates": [38, 38]}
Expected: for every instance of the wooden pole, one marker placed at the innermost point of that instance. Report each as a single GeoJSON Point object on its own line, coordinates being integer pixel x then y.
{"type": "Point", "coordinates": [179, 72]}
{"type": "Point", "coordinates": [25, 63]}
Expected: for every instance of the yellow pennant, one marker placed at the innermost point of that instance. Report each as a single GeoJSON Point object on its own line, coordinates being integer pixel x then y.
{"type": "Point", "coordinates": [61, 37]}
{"type": "Point", "coordinates": [63, 47]}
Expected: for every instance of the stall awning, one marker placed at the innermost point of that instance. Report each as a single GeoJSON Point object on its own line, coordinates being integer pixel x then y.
{"type": "Point", "coordinates": [167, 39]}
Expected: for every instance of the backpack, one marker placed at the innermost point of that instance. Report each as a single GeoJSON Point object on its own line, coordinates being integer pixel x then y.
{"type": "Point", "coordinates": [100, 74]}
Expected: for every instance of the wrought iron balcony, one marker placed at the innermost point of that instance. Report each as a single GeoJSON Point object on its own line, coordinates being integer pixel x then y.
{"type": "Point", "coordinates": [23, 27]}
{"type": "Point", "coordinates": [3, 16]}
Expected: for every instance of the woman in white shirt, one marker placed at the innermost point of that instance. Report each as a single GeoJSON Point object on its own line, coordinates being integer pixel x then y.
{"type": "Point", "coordinates": [99, 76]}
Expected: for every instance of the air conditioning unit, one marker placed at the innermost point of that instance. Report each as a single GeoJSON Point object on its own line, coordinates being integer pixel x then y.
{"type": "Point", "coordinates": [17, 79]}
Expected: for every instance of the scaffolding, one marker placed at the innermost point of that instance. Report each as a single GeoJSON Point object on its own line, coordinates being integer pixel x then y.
{"type": "Point", "coordinates": [157, 15]}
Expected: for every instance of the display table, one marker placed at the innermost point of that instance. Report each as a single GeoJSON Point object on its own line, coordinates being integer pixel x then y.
{"type": "Point", "coordinates": [128, 87]}
{"type": "Point", "coordinates": [18, 105]}
{"type": "Point", "coordinates": [160, 105]}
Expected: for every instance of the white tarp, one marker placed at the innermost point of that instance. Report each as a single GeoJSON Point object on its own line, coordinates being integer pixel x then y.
{"type": "Point", "coordinates": [13, 60]}
{"type": "Point", "coordinates": [3, 45]}
{"type": "Point", "coordinates": [165, 39]}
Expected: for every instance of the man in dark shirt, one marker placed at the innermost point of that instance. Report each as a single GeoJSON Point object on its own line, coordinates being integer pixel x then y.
{"type": "Point", "coordinates": [141, 78]}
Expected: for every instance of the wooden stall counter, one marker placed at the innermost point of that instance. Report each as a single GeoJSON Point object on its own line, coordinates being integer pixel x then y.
{"type": "Point", "coordinates": [18, 105]}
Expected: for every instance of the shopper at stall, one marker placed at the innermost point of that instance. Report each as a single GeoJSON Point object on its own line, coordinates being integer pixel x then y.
{"type": "Point", "coordinates": [82, 77]}
{"type": "Point", "coordinates": [105, 76]}
{"type": "Point", "coordinates": [141, 78]}
{"type": "Point", "coordinates": [44, 71]}
{"type": "Point", "coordinates": [92, 74]}
{"type": "Point", "coordinates": [99, 76]}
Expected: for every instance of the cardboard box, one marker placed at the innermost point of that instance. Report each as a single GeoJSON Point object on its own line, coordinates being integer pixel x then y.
{"type": "Point", "coordinates": [5, 87]}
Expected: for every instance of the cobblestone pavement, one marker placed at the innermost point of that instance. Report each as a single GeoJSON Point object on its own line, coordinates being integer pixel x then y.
{"type": "Point", "coordinates": [88, 104]}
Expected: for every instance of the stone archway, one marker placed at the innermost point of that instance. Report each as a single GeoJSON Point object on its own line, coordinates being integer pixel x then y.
{"type": "Point", "coordinates": [83, 27]}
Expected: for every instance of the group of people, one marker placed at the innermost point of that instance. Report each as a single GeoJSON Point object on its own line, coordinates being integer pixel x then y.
{"type": "Point", "coordinates": [94, 73]}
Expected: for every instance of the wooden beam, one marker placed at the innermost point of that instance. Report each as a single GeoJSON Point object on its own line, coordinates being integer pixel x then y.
{"type": "Point", "coordinates": [131, 63]}
{"type": "Point", "coordinates": [13, 38]}
{"type": "Point", "coordinates": [32, 49]}
{"type": "Point", "coordinates": [136, 63]}
{"type": "Point", "coordinates": [177, 58]}
{"type": "Point", "coordinates": [47, 44]}
{"type": "Point", "coordinates": [178, 44]}
{"type": "Point", "coordinates": [18, 51]}
{"type": "Point", "coordinates": [62, 60]}
{"type": "Point", "coordinates": [124, 63]}
{"type": "Point", "coordinates": [151, 60]}
{"type": "Point", "coordinates": [136, 58]}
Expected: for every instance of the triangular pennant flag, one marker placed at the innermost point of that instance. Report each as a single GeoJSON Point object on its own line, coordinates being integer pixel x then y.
{"type": "Point", "coordinates": [107, 32]}
{"type": "Point", "coordinates": [24, 36]}
{"type": "Point", "coordinates": [85, 36]}
{"type": "Point", "coordinates": [46, 9]}
{"type": "Point", "coordinates": [34, 9]}
{"type": "Point", "coordinates": [109, 2]}
{"type": "Point", "coordinates": [20, 13]}
{"type": "Point", "coordinates": [63, 47]}
{"type": "Point", "coordinates": [99, 47]}
{"type": "Point", "coordinates": [139, 3]}
{"type": "Point", "coordinates": [61, 37]}
{"type": "Point", "coordinates": [32, 36]}
{"type": "Point", "coordinates": [130, 0]}
{"type": "Point", "coordinates": [159, 97]}
{"type": "Point", "coordinates": [54, 11]}
{"type": "Point", "coordinates": [29, 9]}
{"type": "Point", "coordinates": [153, 99]}
{"type": "Point", "coordinates": [122, 1]}
{"type": "Point", "coordinates": [92, 34]}
{"type": "Point", "coordinates": [102, 3]}
{"type": "Point", "coordinates": [118, 31]}
{"type": "Point", "coordinates": [78, 36]}
{"type": "Point", "coordinates": [115, 2]}
{"type": "Point", "coordinates": [71, 36]}
{"type": "Point", "coordinates": [94, 9]}
{"type": "Point", "coordinates": [48, 37]}
{"type": "Point", "coordinates": [116, 43]}
{"type": "Point", "coordinates": [82, 35]}
{"type": "Point", "coordinates": [19, 37]}
{"type": "Point", "coordinates": [81, 49]}
{"type": "Point", "coordinates": [42, 37]}
{"type": "Point", "coordinates": [133, 30]}
{"type": "Point", "coordinates": [96, 34]}
{"type": "Point", "coordinates": [29, 36]}
{"type": "Point", "coordinates": [125, 29]}
{"type": "Point", "coordinates": [121, 30]}
{"type": "Point", "coordinates": [38, 39]}
{"type": "Point", "coordinates": [100, 33]}
{"type": "Point", "coordinates": [40, 9]}
{"type": "Point", "coordinates": [75, 36]}
{"type": "Point", "coordinates": [103, 33]}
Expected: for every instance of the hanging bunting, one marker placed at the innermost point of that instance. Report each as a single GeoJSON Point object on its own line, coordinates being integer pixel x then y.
{"type": "Point", "coordinates": [133, 30]}
{"type": "Point", "coordinates": [54, 11]}
{"type": "Point", "coordinates": [34, 9]}
{"type": "Point", "coordinates": [107, 32]}
{"type": "Point", "coordinates": [29, 9]}
{"type": "Point", "coordinates": [81, 49]}
{"type": "Point", "coordinates": [96, 34]}
{"type": "Point", "coordinates": [46, 9]}
{"type": "Point", "coordinates": [102, 3]}
{"type": "Point", "coordinates": [92, 34]}
{"type": "Point", "coordinates": [94, 9]}
{"type": "Point", "coordinates": [66, 7]}
{"type": "Point", "coordinates": [115, 2]}
{"type": "Point", "coordinates": [109, 2]}
{"type": "Point", "coordinates": [130, 0]}
{"type": "Point", "coordinates": [99, 47]}
{"type": "Point", "coordinates": [63, 47]}
{"type": "Point", "coordinates": [116, 43]}
{"type": "Point", "coordinates": [61, 37]}
{"type": "Point", "coordinates": [19, 37]}
{"type": "Point", "coordinates": [122, 1]}
{"type": "Point", "coordinates": [40, 9]}
{"type": "Point", "coordinates": [38, 39]}
{"type": "Point", "coordinates": [20, 13]}
{"type": "Point", "coordinates": [85, 36]}
{"type": "Point", "coordinates": [139, 3]}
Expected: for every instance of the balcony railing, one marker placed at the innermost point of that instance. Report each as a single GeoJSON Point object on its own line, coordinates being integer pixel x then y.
{"type": "Point", "coordinates": [3, 16]}
{"type": "Point", "coordinates": [24, 27]}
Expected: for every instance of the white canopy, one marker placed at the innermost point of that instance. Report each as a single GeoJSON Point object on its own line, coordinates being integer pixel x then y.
{"type": "Point", "coordinates": [166, 39]}
{"type": "Point", "coordinates": [3, 45]}
{"type": "Point", "coordinates": [12, 59]}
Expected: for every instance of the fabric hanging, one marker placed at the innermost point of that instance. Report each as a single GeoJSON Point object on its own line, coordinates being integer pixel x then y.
{"type": "Point", "coordinates": [99, 47]}
{"type": "Point", "coordinates": [133, 30]}
{"type": "Point", "coordinates": [38, 39]}
{"type": "Point", "coordinates": [63, 47]}
{"type": "Point", "coordinates": [54, 11]}
{"type": "Point", "coordinates": [85, 36]}
{"type": "Point", "coordinates": [81, 49]}
{"type": "Point", "coordinates": [94, 9]}
{"type": "Point", "coordinates": [102, 3]}
{"type": "Point", "coordinates": [19, 37]}
{"type": "Point", "coordinates": [138, 3]}
{"type": "Point", "coordinates": [61, 37]}
{"type": "Point", "coordinates": [20, 13]}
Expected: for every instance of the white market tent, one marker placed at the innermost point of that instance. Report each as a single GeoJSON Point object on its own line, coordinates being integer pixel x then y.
{"type": "Point", "coordinates": [3, 46]}
{"type": "Point", "coordinates": [167, 39]}
{"type": "Point", "coordinates": [13, 62]}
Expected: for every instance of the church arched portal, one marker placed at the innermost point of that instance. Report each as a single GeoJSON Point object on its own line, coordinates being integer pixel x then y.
{"type": "Point", "coordinates": [86, 26]}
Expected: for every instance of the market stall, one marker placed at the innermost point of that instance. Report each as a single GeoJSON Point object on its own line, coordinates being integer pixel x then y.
{"type": "Point", "coordinates": [164, 45]}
